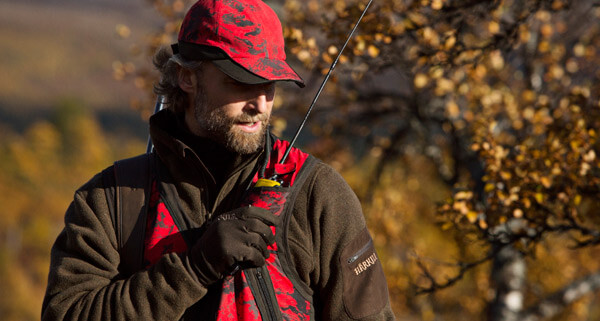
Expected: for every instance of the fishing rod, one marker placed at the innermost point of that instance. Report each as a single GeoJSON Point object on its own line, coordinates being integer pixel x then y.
{"type": "Point", "coordinates": [323, 85]}
{"type": "Point", "coordinates": [160, 104]}
{"type": "Point", "coordinates": [273, 180]}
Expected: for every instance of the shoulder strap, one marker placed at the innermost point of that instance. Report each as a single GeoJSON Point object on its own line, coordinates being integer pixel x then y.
{"type": "Point", "coordinates": [286, 260]}
{"type": "Point", "coordinates": [128, 198]}
{"type": "Point", "coordinates": [303, 173]}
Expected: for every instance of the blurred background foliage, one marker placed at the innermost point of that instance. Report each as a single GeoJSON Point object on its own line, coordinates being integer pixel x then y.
{"type": "Point", "coordinates": [468, 129]}
{"type": "Point", "coordinates": [39, 170]}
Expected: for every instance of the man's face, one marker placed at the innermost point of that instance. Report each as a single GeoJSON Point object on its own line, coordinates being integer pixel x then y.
{"type": "Point", "coordinates": [232, 113]}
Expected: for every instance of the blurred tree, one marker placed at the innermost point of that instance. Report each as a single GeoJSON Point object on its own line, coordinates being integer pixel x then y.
{"type": "Point", "coordinates": [501, 102]}
{"type": "Point", "coordinates": [492, 105]}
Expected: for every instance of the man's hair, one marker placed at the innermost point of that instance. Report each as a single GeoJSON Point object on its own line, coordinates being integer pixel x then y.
{"type": "Point", "coordinates": [168, 85]}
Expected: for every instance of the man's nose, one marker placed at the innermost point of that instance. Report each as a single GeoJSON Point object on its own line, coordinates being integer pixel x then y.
{"type": "Point", "coordinates": [261, 103]}
{"type": "Point", "coordinates": [262, 97]}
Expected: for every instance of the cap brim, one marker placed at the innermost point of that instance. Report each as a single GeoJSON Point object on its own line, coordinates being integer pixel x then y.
{"type": "Point", "coordinates": [241, 74]}
{"type": "Point", "coordinates": [251, 70]}
{"type": "Point", "coordinates": [189, 64]}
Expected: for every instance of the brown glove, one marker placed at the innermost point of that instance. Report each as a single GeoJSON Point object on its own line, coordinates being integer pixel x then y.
{"type": "Point", "coordinates": [236, 238]}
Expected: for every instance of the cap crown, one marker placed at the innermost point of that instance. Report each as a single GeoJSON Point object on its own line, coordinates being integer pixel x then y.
{"type": "Point", "coordinates": [248, 31]}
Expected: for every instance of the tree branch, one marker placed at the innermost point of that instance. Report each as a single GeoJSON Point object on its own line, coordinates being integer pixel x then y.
{"type": "Point", "coordinates": [463, 268]}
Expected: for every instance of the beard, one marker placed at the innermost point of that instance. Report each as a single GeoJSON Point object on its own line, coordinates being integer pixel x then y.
{"type": "Point", "coordinates": [221, 128]}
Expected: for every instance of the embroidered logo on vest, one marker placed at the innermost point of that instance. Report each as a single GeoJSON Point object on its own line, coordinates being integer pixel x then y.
{"type": "Point", "coordinates": [364, 265]}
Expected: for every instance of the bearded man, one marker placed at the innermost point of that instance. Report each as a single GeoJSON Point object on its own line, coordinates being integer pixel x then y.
{"type": "Point", "coordinates": [212, 225]}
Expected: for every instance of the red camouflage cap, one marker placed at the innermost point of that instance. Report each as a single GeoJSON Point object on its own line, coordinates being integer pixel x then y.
{"type": "Point", "coordinates": [243, 38]}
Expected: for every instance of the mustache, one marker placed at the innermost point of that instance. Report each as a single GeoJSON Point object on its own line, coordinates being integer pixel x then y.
{"type": "Point", "coordinates": [247, 118]}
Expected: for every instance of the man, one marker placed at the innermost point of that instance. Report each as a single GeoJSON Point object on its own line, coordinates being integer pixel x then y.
{"type": "Point", "coordinates": [213, 237]}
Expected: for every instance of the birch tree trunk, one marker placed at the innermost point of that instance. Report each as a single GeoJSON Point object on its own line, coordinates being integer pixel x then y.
{"type": "Point", "coordinates": [508, 280]}
{"type": "Point", "coordinates": [555, 303]}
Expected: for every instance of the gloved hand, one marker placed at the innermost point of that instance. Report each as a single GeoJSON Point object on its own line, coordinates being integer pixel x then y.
{"type": "Point", "coordinates": [239, 237]}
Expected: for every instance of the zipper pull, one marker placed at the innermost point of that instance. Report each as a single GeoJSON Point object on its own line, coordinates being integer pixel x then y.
{"type": "Point", "coordinates": [264, 182]}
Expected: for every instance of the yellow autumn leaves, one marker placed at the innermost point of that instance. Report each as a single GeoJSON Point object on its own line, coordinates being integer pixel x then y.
{"type": "Point", "coordinates": [39, 171]}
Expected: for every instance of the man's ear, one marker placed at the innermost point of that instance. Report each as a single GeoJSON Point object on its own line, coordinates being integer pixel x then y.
{"type": "Point", "coordinates": [187, 80]}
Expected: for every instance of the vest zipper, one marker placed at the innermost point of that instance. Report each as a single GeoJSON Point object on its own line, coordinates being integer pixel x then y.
{"type": "Point", "coordinates": [262, 284]}
{"type": "Point", "coordinates": [360, 252]}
